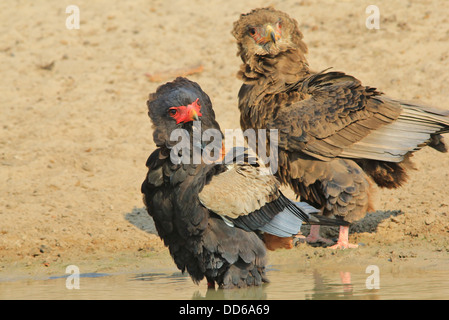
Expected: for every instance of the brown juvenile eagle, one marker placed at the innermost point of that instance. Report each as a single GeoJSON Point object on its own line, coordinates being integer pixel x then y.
{"type": "Point", "coordinates": [335, 134]}
{"type": "Point", "coordinates": [216, 218]}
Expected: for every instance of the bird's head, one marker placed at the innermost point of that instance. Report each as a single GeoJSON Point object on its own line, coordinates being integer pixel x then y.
{"type": "Point", "coordinates": [266, 31]}
{"type": "Point", "coordinates": [176, 105]}
{"type": "Point", "coordinates": [186, 114]}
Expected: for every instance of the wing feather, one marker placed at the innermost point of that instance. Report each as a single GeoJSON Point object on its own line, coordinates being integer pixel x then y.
{"type": "Point", "coordinates": [240, 190]}
{"type": "Point", "coordinates": [342, 118]}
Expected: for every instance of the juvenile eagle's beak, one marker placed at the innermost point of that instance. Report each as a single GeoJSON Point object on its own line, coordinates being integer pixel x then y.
{"type": "Point", "coordinates": [271, 33]}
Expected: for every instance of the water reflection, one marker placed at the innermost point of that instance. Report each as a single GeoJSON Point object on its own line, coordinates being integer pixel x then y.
{"type": "Point", "coordinates": [287, 283]}
{"type": "Point", "coordinates": [323, 289]}
{"type": "Point", "coordinates": [288, 288]}
{"type": "Point", "coordinates": [326, 289]}
{"type": "Point", "coordinates": [252, 293]}
{"type": "Point", "coordinates": [169, 277]}
{"type": "Point", "coordinates": [82, 275]}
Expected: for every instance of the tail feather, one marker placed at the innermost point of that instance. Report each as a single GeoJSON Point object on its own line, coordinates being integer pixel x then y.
{"type": "Point", "coordinates": [289, 221]}
{"type": "Point", "coordinates": [284, 224]}
{"type": "Point", "coordinates": [315, 218]}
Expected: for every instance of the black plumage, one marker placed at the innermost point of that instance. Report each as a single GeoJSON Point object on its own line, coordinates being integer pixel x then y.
{"type": "Point", "coordinates": [212, 216]}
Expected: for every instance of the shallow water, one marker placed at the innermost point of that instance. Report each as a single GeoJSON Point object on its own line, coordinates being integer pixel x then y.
{"type": "Point", "coordinates": [286, 283]}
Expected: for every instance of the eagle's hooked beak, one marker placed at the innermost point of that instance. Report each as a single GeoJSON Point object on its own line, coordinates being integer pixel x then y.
{"type": "Point", "coordinates": [193, 110]}
{"type": "Point", "coordinates": [194, 115]}
{"type": "Point", "coordinates": [271, 33]}
{"type": "Point", "coordinates": [185, 114]}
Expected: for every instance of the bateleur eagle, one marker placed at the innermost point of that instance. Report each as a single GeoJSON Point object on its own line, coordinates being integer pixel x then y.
{"type": "Point", "coordinates": [336, 135]}
{"type": "Point", "coordinates": [214, 217]}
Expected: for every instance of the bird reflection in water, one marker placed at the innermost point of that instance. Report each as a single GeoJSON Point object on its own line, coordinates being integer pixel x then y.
{"type": "Point", "coordinates": [308, 285]}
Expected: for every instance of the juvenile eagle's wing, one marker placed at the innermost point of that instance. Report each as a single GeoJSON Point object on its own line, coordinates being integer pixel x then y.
{"type": "Point", "coordinates": [342, 118]}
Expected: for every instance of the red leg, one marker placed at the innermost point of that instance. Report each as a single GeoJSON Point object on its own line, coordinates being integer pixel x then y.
{"type": "Point", "coordinates": [346, 281]}
{"type": "Point", "coordinates": [343, 242]}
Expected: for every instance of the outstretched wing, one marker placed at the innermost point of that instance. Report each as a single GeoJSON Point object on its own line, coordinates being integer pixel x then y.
{"type": "Point", "coordinates": [341, 118]}
{"type": "Point", "coordinates": [336, 113]}
{"type": "Point", "coordinates": [416, 127]}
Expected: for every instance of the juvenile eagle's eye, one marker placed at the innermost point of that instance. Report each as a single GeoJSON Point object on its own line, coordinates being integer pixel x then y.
{"type": "Point", "coordinates": [252, 31]}
{"type": "Point", "coordinates": [279, 24]}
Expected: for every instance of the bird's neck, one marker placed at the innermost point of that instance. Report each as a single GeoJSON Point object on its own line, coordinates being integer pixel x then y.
{"type": "Point", "coordinates": [274, 71]}
{"type": "Point", "coordinates": [264, 76]}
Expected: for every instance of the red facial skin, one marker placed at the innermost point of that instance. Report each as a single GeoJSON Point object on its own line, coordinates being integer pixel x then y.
{"type": "Point", "coordinates": [184, 114]}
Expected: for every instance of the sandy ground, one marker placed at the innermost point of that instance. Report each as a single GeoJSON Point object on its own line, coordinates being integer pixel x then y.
{"type": "Point", "coordinates": [74, 133]}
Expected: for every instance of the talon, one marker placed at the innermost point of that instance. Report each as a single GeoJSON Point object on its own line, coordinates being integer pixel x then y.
{"type": "Point", "coordinates": [343, 242]}
{"type": "Point", "coordinates": [344, 245]}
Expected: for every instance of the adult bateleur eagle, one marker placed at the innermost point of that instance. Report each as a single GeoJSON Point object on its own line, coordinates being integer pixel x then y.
{"type": "Point", "coordinates": [217, 219]}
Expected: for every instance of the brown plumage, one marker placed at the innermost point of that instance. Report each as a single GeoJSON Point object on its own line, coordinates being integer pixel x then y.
{"type": "Point", "coordinates": [335, 134]}
{"type": "Point", "coordinates": [212, 216]}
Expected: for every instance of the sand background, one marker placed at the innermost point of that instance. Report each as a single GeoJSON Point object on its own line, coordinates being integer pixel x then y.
{"type": "Point", "coordinates": [74, 131]}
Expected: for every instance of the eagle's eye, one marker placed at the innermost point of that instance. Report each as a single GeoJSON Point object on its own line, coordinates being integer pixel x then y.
{"type": "Point", "coordinates": [279, 24]}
